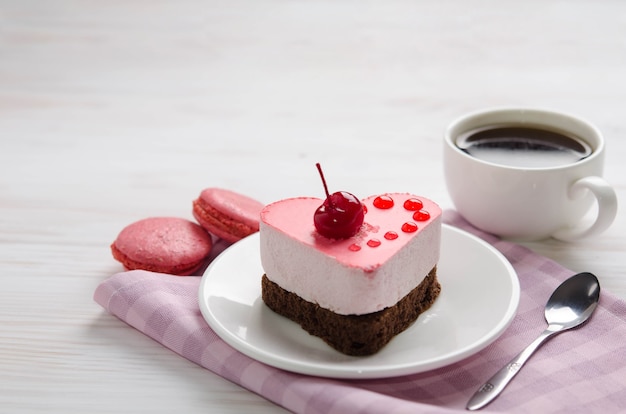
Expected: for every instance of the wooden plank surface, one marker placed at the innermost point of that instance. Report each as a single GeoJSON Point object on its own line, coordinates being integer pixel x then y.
{"type": "Point", "coordinates": [115, 111]}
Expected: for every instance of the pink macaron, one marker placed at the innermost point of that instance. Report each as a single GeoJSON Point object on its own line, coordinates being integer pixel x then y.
{"type": "Point", "coordinates": [226, 214]}
{"type": "Point", "coordinates": [163, 244]}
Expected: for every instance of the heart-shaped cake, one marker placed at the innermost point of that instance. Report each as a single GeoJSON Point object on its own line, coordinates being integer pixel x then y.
{"type": "Point", "coordinates": [355, 293]}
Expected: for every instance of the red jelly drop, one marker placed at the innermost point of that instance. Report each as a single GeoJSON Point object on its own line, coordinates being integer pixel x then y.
{"type": "Point", "coordinates": [373, 242]}
{"type": "Point", "coordinates": [409, 227]}
{"type": "Point", "coordinates": [354, 247]}
{"type": "Point", "coordinates": [421, 215]}
{"type": "Point", "coordinates": [391, 235]}
{"type": "Point", "coordinates": [413, 204]}
{"type": "Point", "coordinates": [383, 202]}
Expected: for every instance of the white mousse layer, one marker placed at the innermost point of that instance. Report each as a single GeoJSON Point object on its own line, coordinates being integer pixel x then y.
{"type": "Point", "coordinates": [360, 275]}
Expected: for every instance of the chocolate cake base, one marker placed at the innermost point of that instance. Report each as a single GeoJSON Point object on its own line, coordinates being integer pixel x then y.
{"type": "Point", "coordinates": [356, 335]}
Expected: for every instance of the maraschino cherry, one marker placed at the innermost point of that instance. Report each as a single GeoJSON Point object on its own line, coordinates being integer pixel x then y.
{"type": "Point", "coordinates": [340, 216]}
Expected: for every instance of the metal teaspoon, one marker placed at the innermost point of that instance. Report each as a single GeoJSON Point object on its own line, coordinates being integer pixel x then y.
{"type": "Point", "coordinates": [571, 304]}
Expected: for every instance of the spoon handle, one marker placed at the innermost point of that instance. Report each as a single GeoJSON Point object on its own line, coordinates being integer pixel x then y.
{"type": "Point", "coordinates": [494, 385]}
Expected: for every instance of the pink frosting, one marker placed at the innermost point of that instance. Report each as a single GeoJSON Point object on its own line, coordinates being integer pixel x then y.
{"type": "Point", "coordinates": [362, 274]}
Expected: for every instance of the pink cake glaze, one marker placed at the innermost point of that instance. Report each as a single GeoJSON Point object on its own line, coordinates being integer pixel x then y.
{"type": "Point", "coordinates": [366, 273]}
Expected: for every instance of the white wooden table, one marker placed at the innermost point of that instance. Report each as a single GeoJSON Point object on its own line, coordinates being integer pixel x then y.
{"type": "Point", "coordinates": [115, 111]}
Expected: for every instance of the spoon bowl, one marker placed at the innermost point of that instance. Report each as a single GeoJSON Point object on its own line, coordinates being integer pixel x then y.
{"type": "Point", "coordinates": [569, 306]}
{"type": "Point", "coordinates": [573, 302]}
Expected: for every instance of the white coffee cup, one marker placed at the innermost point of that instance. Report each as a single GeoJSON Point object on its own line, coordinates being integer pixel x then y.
{"type": "Point", "coordinates": [528, 202]}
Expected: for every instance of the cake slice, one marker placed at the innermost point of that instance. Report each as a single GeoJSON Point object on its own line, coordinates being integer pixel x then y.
{"type": "Point", "coordinates": [355, 293]}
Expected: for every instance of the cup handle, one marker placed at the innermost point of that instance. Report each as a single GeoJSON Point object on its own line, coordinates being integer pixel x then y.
{"type": "Point", "coordinates": [607, 208]}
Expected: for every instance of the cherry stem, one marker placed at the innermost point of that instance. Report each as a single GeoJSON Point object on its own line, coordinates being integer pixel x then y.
{"type": "Point", "coordinates": [319, 168]}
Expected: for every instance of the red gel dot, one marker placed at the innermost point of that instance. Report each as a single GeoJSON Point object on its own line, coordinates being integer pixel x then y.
{"type": "Point", "coordinates": [409, 227]}
{"type": "Point", "coordinates": [391, 235]}
{"type": "Point", "coordinates": [383, 202]}
{"type": "Point", "coordinates": [413, 204]}
{"type": "Point", "coordinates": [354, 247]}
{"type": "Point", "coordinates": [364, 209]}
{"type": "Point", "coordinates": [373, 242]}
{"type": "Point", "coordinates": [421, 215]}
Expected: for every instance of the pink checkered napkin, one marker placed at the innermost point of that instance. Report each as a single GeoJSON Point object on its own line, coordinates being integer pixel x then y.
{"type": "Point", "coordinates": [579, 371]}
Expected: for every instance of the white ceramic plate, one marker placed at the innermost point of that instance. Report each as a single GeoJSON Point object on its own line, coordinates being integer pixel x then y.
{"type": "Point", "coordinates": [479, 298]}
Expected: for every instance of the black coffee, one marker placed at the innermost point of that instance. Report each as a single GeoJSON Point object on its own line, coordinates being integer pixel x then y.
{"type": "Point", "coordinates": [523, 146]}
